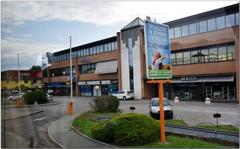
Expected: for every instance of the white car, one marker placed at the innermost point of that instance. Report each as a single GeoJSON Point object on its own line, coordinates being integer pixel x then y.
{"type": "Point", "coordinates": [15, 97]}
{"type": "Point", "coordinates": [154, 108]}
{"type": "Point", "coordinates": [124, 94]}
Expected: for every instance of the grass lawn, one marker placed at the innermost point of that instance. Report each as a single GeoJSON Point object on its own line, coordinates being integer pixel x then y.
{"type": "Point", "coordinates": [175, 122]}
{"type": "Point", "coordinates": [86, 121]}
{"type": "Point", "coordinates": [182, 142]}
{"type": "Point", "coordinates": [227, 128]}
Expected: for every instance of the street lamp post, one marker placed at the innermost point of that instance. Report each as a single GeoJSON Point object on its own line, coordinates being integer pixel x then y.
{"type": "Point", "coordinates": [19, 86]}
{"type": "Point", "coordinates": [70, 103]}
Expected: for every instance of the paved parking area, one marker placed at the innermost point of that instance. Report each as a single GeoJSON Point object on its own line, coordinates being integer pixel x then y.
{"type": "Point", "coordinates": [193, 113]}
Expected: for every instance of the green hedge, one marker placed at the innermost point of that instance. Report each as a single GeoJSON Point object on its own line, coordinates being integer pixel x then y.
{"type": "Point", "coordinates": [38, 96]}
{"type": "Point", "coordinates": [105, 104]}
{"type": "Point", "coordinates": [128, 129]}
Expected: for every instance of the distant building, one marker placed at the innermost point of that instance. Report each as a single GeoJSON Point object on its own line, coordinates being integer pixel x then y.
{"type": "Point", "coordinates": [204, 55]}
{"type": "Point", "coordinates": [28, 79]}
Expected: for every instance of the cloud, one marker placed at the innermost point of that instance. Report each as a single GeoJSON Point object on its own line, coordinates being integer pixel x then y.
{"type": "Point", "coordinates": [29, 52]}
{"type": "Point", "coordinates": [104, 12]}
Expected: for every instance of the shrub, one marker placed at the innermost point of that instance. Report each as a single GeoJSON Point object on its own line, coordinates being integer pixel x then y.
{"type": "Point", "coordinates": [128, 129]}
{"type": "Point", "coordinates": [105, 104]}
{"type": "Point", "coordinates": [38, 96]}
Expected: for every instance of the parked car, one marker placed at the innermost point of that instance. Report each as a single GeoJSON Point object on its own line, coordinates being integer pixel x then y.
{"type": "Point", "coordinates": [155, 110]}
{"type": "Point", "coordinates": [49, 97]}
{"type": "Point", "coordinates": [58, 92]}
{"type": "Point", "coordinates": [124, 94]}
{"type": "Point", "coordinates": [50, 92]}
{"type": "Point", "coordinates": [15, 96]}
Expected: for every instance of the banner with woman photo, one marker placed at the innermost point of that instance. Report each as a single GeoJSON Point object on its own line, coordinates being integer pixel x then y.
{"type": "Point", "coordinates": [157, 51]}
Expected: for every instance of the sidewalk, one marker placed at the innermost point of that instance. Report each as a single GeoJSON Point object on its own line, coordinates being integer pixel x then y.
{"type": "Point", "coordinates": [13, 113]}
{"type": "Point", "coordinates": [60, 132]}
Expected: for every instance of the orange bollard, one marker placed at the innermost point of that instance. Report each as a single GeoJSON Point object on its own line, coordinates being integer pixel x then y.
{"type": "Point", "coordinates": [70, 108]}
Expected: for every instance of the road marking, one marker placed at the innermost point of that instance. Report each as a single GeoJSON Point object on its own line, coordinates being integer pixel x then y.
{"type": "Point", "coordinates": [39, 119]}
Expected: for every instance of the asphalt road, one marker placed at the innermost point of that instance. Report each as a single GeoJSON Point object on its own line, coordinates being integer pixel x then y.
{"type": "Point", "coordinates": [31, 131]}
{"type": "Point", "coordinates": [18, 133]}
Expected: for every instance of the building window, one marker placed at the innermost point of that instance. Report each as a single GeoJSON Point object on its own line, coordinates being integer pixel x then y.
{"type": "Point", "coordinates": [179, 57]}
{"type": "Point", "coordinates": [186, 57]}
{"type": "Point", "coordinates": [194, 56]}
{"type": "Point", "coordinates": [237, 18]}
{"type": "Point", "coordinates": [230, 52]}
{"type": "Point", "coordinates": [171, 33]}
{"type": "Point", "coordinates": [185, 30]}
{"type": "Point", "coordinates": [101, 48]}
{"type": "Point", "coordinates": [213, 54]}
{"type": "Point", "coordinates": [173, 59]}
{"type": "Point", "coordinates": [203, 26]}
{"type": "Point", "coordinates": [87, 68]}
{"type": "Point", "coordinates": [211, 24]}
{"type": "Point", "coordinates": [222, 53]}
{"type": "Point", "coordinates": [177, 31]}
{"type": "Point", "coordinates": [105, 47]}
{"type": "Point", "coordinates": [230, 20]}
{"type": "Point", "coordinates": [113, 48]}
{"type": "Point", "coordinates": [192, 28]}
{"type": "Point", "coordinates": [205, 54]}
{"type": "Point", "coordinates": [220, 22]}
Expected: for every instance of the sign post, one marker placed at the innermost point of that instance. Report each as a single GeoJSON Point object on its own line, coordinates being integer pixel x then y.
{"type": "Point", "coordinates": [158, 62]}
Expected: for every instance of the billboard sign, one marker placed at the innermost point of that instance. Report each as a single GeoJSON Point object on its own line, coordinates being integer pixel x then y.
{"type": "Point", "coordinates": [157, 49]}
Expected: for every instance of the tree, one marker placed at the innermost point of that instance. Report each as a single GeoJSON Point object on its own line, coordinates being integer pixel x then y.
{"type": "Point", "coordinates": [35, 68]}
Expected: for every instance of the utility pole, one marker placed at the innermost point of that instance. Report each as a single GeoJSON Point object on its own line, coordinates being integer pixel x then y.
{"type": "Point", "coordinates": [19, 87]}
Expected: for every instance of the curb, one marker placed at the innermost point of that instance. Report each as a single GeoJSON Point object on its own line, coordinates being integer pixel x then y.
{"type": "Point", "coordinates": [39, 105]}
{"type": "Point", "coordinates": [100, 142]}
{"type": "Point", "coordinates": [50, 136]}
{"type": "Point", "coordinates": [36, 112]}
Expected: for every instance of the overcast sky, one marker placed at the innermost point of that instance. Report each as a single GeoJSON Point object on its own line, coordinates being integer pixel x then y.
{"type": "Point", "coordinates": [34, 28]}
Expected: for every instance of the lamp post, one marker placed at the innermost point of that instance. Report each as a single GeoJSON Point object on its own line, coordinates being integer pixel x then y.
{"type": "Point", "coordinates": [70, 103]}
{"type": "Point", "coordinates": [19, 86]}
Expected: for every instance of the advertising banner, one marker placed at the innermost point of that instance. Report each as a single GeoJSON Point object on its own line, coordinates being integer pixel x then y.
{"type": "Point", "coordinates": [157, 49]}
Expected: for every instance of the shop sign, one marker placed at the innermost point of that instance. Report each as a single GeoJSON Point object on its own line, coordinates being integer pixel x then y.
{"type": "Point", "coordinates": [82, 83]}
{"type": "Point", "coordinates": [189, 78]}
{"type": "Point", "coordinates": [157, 49]}
{"type": "Point", "coordinates": [93, 82]}
{"type": "Point", "coordinates": [106, 82]}
{"type": "Point", "coordinates": [85, 60]}
{"type": "Point", "coordinates": [114, 81]}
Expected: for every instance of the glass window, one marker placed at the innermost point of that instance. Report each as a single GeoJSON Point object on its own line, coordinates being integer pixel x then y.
{"type": "Point", "coordinates": [230, 52]}
{"type": "Point", "coordinates": [202, 26]}
{"type": "Point", "coordinates": [94, 50]}
{"type": "Point", "coordinates": [222, 53]}
{"type": "Point", "coordinates": [211, 24]}
{"type": "Point", "coordinates": [205, 55]}
{"type": "Point", "coordinates": [194, 56]}
{"type": "Point", "coordinates": [101, 48]}
{"type": "Point", "coordinates": [230, 20]}
{"type": "Point", "coordinates": [213, 54]}
{"type": "Point", "coordinates": [171, 33]}
{"type": "Point", "coordinates": [179, 57]}
{"type": "Point", "coordinates": [177, 31]}
{"type": "Point", "coordinates": [185, 30]}
{"type": "Point", "coordinates": [90, 51]}
{"type": "Point", "coordinates": [106, 47]}
{"type": "Point", "coordinates": [220, 22]}
{"type": "Point", "coordinates": [237, 18]}
{"type": "Point", "coordinates": [112, 46]}
{"type": "Point", "coordinates": [173, 59]}
{"type": "Point", "coordinates": [186, 57]}
{"type": "Point", "coordinates": [192, 28]}
{"type": "Point", "coordinates": [87, 51]}
{"type": "Point", "coordinates": [109, 46]}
